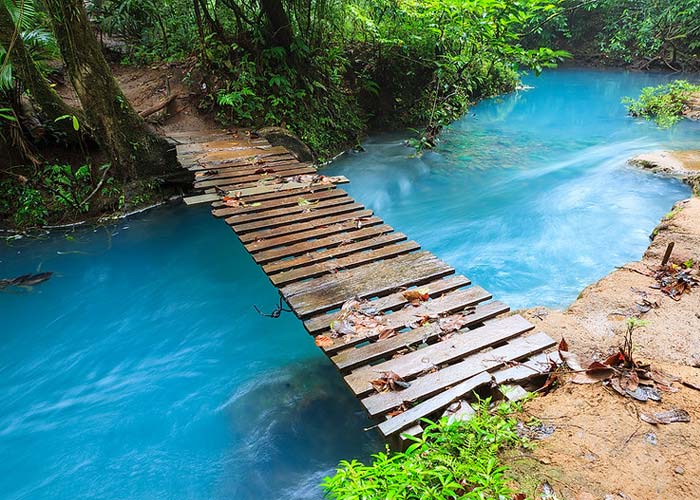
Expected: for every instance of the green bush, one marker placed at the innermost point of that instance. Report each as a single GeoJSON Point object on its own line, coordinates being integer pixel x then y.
{"type": "Point", "coordinates": [664, 104]}
{"type": "Point", "coordinates": [458, 460]}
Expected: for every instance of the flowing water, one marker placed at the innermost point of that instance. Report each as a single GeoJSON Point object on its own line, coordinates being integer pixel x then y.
{"type": "Point", "coordinates": [141, 370]}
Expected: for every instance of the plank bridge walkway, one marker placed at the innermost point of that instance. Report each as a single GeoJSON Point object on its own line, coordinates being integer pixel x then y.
{"type": "Point", "coordinates": [410, 338]}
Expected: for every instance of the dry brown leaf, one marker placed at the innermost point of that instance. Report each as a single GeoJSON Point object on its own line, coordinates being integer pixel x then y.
{"type": "Point", "coordinates": [323, 341]}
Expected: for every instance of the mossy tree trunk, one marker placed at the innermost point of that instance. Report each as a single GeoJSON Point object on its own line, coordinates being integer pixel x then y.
{"type": "Point", "coordinates": [25, 70]}
{"type": "Point", "coordinates": [280, 28]}
{"type": "Point", "coordinates": [134, 149]}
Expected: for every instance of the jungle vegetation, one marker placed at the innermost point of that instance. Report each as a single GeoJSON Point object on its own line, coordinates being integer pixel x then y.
{"type": "Point", "coordinates": [328, 70]}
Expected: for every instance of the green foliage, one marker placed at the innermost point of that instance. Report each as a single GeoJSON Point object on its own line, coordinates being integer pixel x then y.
{"type": "Point", "coordinates": [458, 460]}
{"type": "Point", "coordinates": [661, 33]}
{"type": "Point", "coordinates": [664, 103]}
{"type": "Point", "coordinates": [55, 192]}
{"type": "Point", "coordinates": [37, 39]}
{"type": "Point", "coordinates": [351, 63]}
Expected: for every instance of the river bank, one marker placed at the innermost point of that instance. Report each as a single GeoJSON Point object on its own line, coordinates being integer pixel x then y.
{"type": "Point", "coordinates": [599, 447]}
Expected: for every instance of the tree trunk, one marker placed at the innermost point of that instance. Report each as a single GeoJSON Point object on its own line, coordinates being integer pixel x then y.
{"type": "Point", "coordinates": [134, 149]}
{"type": "Point", "coordinates": [33, 81]}
{"type": "Point", "coordinates": [280, 27]}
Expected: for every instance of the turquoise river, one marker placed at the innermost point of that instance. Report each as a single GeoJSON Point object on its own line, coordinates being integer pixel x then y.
{"type": "Point", "coordinates": [142, 371]}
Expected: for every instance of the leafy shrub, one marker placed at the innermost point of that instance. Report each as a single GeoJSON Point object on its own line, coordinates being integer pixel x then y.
{"type": "Point", "coordinates": [53, 193]}
{"type": "Point", "coordinates": [665, 103]}
{"type": "Point", "coordinates": [458, 460]}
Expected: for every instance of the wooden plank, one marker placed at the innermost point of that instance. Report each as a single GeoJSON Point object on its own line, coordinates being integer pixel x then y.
{"type": "Point", "coordinates": [284, 220]}
{"type": "Point", "coordinates": [324, 222]}
{"type": "Point", "coordinates": [379, 278]}
{"type": "Point", "coordinates": [396, 300]}
{"type": "Point", "coordinates": [348, 227]}
{"type": "Point", "coordinates": [449, 303]}
{"type": "Point", "coordinates": [458, 346]}
{"type": "Point", "coordinates": [288, 201]}
{"type": "Point", "coordinates": [435, 382]}
{"type": "Point", "coordinates": [236, 172]}
{"type": "Point", "coordinates": [352, 357]}
{"type": "Point", "coordinates": [253, 178]}
{"type": "Point", "coordinates": [200, 198]}
{"type": "Point", "coordinates": [536, 365]}
{"type": "Point", "coordinates": [385, 251]}
{"type": "Point", "coordinates": [250, 158]}
{"type": "Point", "coordinates": [221, 156]}
{"type": "Point", "coordinates": [369, 238]}
{"type": "Point", "coordinates": [288, 211]}
{"type": "Point", "coordinates": [442, 400]}
{"type": "Point", "coordinates": [275, 195]}
{"type": "Point", "coordinates": [250, 162]}
{"type": "Point", "coordinates": [285, 186]}
{"type": "Point", "coordinates": [220, 145]}
{"type": "Point", "coordinates": [309, 247]}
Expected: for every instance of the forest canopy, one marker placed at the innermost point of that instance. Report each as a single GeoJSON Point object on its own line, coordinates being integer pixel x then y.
{"type": "Point", "coordinates": [328, 70]}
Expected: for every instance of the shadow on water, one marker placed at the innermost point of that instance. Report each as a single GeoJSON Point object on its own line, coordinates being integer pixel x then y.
{"type": "Point", "coordinates": [290, 424]}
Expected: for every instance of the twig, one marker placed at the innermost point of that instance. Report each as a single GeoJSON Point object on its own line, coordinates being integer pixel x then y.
{"type": "Point", "coordinates": [97, 188]}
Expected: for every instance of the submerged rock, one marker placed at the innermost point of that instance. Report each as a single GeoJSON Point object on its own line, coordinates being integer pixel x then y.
{"type": "Point", "coordinates": [278, 136]}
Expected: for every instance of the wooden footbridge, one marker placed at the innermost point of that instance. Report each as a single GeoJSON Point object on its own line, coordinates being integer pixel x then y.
{"type": "Point", "coordinates": [411, 338]}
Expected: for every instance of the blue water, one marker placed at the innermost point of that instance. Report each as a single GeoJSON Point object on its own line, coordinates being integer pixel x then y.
{"type": "Point", "coordinates": [141, 370]}
{"type": "Point", "coordinates": [530, 195]}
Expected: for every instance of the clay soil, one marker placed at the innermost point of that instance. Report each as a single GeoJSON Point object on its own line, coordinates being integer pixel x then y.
{"type": "Point", "coordinates": [147, 86]}
{"type": "Point", "coordinates": [600, 448]}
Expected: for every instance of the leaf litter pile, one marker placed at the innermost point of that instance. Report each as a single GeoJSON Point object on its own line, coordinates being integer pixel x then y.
{"type": "Point", "coordinates": [626, 376]}
{"type": "Point", "coordinates": [676, 280]}
{"type": "Point", "coordinates": [359, 320]}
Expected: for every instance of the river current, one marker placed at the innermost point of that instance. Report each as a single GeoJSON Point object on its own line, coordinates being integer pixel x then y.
{"type": "Point", "coordinates": [142, 371]}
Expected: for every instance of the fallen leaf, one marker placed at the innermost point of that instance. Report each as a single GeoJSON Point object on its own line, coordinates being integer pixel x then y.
{"type": "Point", "coordinates": [415, 297]}
{"type": "Point", "coordinates": [563, 345]}
{"type": "Point", "coordinates": [323, 341]}
{"type": "Point", "coordinates": [665, 417]}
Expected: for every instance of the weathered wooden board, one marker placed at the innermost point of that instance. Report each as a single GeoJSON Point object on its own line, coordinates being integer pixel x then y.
{"type": "Point", "coordinates": [378, 278]}
{"type": "Point", "coordinates": [434, 382]}
{"type": "Point", "coordinates": [213, 157]}
{"type": "Point", "coordinates": [347, 227]}
{"type": "Point", "coordinates": [442, 400]}
{"type": "Point", "coordinates": [287, 193]}
{"type": "Point", "coordinates": [458, 346]}
{"type": "Point", "coordinates": [253, 178]}
{"type": "Point", "coordinates": [226, 174]}
{"type": "Point", "coordinates": [265, 205]}
{"type": "Point", "coordinates": [322, 322]}
{"type": "Point", "coordinates": [356, 217]}
{"type": "Point", "coordinates": [220, 145]}
{"type": "Point", "coordinates": [285, 186]}
{"type": "Point", "coordinates": [246, 227]}
{"type": "Point", "coordinates": [383, 250]}
{"type": "Point", "coordinates": [368, 238]}
{"type": "Point", "coordinates": [310, 247]}
{"type": "Point", "coordinates": [446, 304]}
{"type": "Point", "coordinates": [288, 211]}
{"type": "Point", "coordinates": [252, 162]}
{"type": "Point", "coordinates": [536, 365]}
{"type": "Point", "coordinates": [353, 357]}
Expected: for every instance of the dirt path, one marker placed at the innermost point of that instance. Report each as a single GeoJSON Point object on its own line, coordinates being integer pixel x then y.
{"type": "Point", "coordinates": [148, 86]}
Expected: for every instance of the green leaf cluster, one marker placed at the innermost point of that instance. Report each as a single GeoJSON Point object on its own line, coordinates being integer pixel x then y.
{"type": "Point", "coordinates": [450, 461]}
{"type": "Point", "coordinates": [664, 104]}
